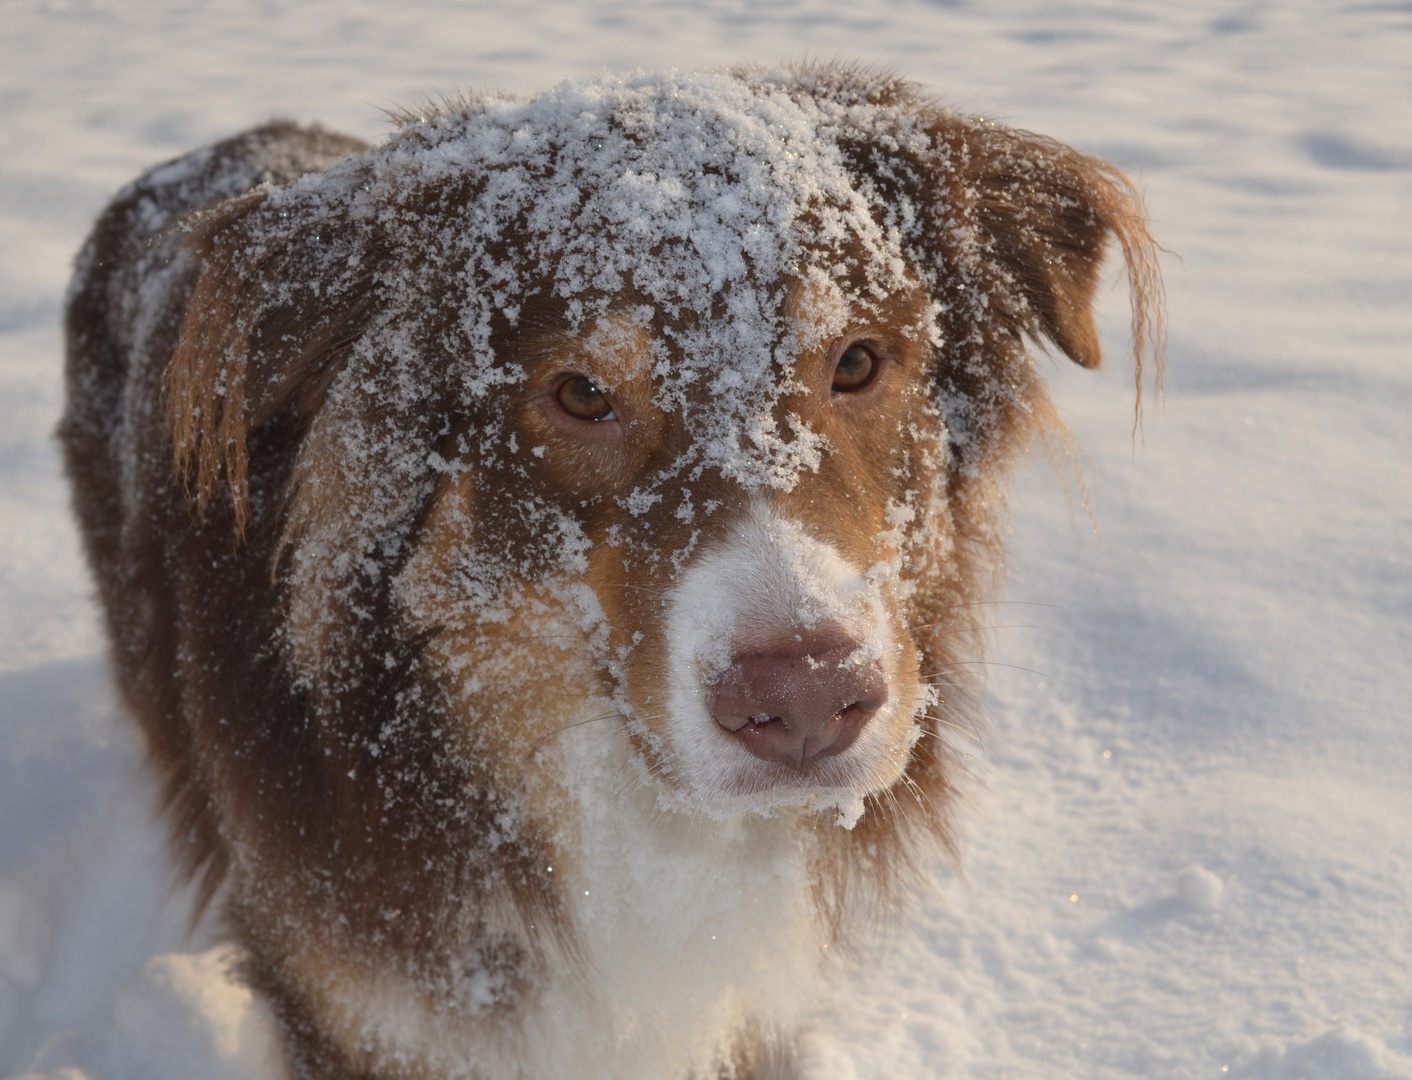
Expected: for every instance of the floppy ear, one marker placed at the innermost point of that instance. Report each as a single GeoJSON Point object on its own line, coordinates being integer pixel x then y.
{"type": "Point", "coordinates": [1047, 214]}
{"type": "Point", "coordinates": [285, 289]}
{"type": "Point", "coordinates": [1024, 222]}
{"type": "Point", "coordinates": [1015, 225]}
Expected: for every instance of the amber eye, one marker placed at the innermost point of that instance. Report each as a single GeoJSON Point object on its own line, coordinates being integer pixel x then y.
{"type": "Point", "coordinates": [579, 397]}
{"type": "Point", "coordinates": [855, 369]}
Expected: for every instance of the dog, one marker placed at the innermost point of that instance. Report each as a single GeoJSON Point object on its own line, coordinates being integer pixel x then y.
{"type": "Point", "coordinates": [544, 552]}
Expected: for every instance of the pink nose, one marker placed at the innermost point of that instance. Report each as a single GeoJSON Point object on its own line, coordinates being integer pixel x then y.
{"type": "Point", "coordinates": [794, 705]}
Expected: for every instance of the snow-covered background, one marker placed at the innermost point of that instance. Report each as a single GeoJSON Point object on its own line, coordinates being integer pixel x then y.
{"type": "Point", "coordinates": [1190, 850]}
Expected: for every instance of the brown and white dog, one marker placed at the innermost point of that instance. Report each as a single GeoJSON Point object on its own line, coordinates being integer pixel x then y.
{"type": "Point", "coordinates": [539, 550]}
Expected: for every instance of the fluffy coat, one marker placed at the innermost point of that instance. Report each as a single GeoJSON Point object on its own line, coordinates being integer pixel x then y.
{"type": "Point", "coordinates": [544, 552]}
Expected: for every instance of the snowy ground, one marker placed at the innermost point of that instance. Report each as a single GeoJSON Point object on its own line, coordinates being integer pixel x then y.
{"type": "Point", "coordinates": [1191, 851]}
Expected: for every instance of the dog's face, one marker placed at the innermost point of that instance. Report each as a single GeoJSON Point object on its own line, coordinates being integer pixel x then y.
{"type": "Point", "coordinates": [752, 631]}
{"type": "Point", "coordinates": [675, 404]}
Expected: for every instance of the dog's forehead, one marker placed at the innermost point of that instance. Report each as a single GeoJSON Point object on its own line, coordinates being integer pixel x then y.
{"type": "Point", "coordinates": [694, 190]}
{"type": "Point", "coordinates": [690, 361]}
{"type": "Point", "coordinates": [723, 207]}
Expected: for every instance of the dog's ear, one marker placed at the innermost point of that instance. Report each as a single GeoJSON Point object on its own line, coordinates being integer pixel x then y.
{"type": "Point", "coordinates": [1011, 227]}
{"type": "Point", "coordinates": [1047, 214]}
{"type": "Point", "coordinates": [285, 289]}
{"type": "Point", "coordinates": [1041, 217]}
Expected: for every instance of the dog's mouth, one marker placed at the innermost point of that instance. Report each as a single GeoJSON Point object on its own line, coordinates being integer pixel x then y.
{"type": "Point", "coordinates": [771, 762]}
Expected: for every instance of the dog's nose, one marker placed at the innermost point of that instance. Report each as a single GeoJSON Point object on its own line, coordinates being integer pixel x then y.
{"type": "Point", "coordinates": [795, 705]}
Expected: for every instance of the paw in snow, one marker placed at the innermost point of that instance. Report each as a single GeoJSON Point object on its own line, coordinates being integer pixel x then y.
{"type": "Point", "coordinates": [184, 1015]}
{"type": "Point", "coordinates": [1199, 889]}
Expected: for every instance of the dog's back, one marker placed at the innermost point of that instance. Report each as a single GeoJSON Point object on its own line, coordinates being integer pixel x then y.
{"type": "Point", "coordinates": [125, 310]}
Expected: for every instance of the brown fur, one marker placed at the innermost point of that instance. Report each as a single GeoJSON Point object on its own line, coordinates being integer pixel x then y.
{"type": "Point", "coordinates": [319, 756]}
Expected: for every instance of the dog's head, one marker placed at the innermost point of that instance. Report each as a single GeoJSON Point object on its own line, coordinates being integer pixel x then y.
{"type": "Point", "coordinates": [679, 399]}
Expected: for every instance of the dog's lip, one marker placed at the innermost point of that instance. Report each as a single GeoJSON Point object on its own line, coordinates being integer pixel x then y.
{"type": "Point", "coordinates": [755, 777]}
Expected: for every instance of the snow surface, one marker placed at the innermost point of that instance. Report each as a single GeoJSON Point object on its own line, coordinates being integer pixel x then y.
{"type": "Point", "coordinates": [1190, 853]}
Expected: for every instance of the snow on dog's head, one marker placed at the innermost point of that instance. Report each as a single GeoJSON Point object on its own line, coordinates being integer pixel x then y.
{"type": "Point", "coordinates": [685, 394]}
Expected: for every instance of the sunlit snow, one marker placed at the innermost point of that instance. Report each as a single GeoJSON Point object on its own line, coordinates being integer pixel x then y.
{"type": "Point", "coordinates": [1188, 849]}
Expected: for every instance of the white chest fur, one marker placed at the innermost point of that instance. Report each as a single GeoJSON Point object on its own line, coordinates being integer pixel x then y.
{"type": "Point", "coordinates": [693, 928]}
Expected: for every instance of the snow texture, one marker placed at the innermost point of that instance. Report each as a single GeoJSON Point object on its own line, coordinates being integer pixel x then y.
{"type": "Point", "coordinates": [1190, 853]}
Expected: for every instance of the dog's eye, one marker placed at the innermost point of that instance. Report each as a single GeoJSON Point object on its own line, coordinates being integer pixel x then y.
{"type": "Point", "coordinates": [579, 397]}
{"type": "Point", "coordinates": [855, 369]}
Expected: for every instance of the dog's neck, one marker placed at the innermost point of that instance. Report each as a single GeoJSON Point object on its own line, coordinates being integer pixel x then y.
{"type": "Point", "coordinates": [695, 932]}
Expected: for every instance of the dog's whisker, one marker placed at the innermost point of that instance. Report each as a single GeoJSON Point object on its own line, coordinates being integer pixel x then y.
{"type": "Point", "coordinates": [985, 663]}
{"type": "Point", "coordinates": [972, 629]}
{"type": "Point", "coordinates": [985, 603]}
{"type": "Point", "coordinates": [651, 772]}
{"type": "Point", "coordinates": [968, 731]}
{"type": "Point", "coordinates": [917, 791]}
{"type": "Point", "coordinates": [570, 727]}
{"type": "Point", "coordinates": [973, 685]}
